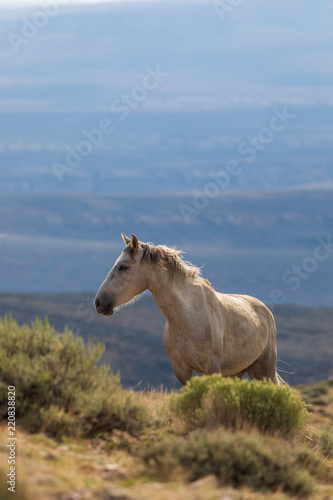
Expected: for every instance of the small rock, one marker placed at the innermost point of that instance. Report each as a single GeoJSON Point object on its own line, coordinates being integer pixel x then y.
{"type": "Point", "coordinates": [117, 494]}
{"type": "Point", "coordinates": [84, 490]}
{"type": "Point", "coordinates": [228, 494]}
{"type": "Point", "coordinates": [48, 455]}
{"type": "Point", "coordinates": [71, 495]}
{"type": "Point", "coordinates": [90, 468]}
{"type": "Point", "coordinates": [157, 486]}
{"type": "Point", "coordinates": [63, 448]}
{"type": "Point", "coordinates": [112, 471]}
{"type": "Point", "coordinates": [210, 481]}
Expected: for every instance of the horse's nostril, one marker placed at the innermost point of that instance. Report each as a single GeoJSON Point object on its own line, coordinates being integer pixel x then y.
{"type": "Point", "coordinates": [104, 304]}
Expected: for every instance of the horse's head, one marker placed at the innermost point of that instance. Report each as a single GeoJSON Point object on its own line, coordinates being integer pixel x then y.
{"type": "Point", "coordinates": [126, 280]}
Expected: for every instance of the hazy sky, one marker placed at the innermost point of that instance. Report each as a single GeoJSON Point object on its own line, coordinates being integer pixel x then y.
{"type": "Point", "coordinates": [62, 74]}
{"type": "Point", "coordinates": [261, 53]}
{"type": "Point", "coordinates": [11, 3]}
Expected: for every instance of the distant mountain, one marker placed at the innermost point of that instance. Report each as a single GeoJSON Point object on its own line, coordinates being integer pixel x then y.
{"type": "Point", "coordinates": [186, 93]}
{"type": "Point", "coordinates": [133, 337]}
{"type": "Point", "coordinates": [274, 245]}
{"type": "Point", "coordinates": [162, 152]}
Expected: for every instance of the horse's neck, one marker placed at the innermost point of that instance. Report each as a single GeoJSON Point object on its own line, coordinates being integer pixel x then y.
{"type": "Point", "coordinates": [174, 298]}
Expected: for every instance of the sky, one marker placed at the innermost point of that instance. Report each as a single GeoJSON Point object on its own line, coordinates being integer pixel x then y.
{"type": "Point", "coordinates": [28, 3]}
{"type": "Point", "coordinates": [256, 55]}
{"type": "Point", "coordinates": [224, 78]}
{"type": "Point", "coordinates": [185, 88]}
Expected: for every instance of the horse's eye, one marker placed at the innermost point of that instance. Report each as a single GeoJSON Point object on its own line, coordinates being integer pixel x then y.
{"type": "Point", "coordinates": [123, 267]}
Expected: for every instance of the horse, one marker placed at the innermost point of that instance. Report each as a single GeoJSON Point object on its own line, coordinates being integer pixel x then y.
{"type": "Point", "coordinates": [206, 331]}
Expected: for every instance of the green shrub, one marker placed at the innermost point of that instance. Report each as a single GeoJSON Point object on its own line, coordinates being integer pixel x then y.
{"type": "Point", "coordinates": [261, 463]}
{"type": "Point", "coordinates": [326, 442]}
{"type": "Point", "coordinates": [215, 401]}
{"type": "Point", "coordinates": [59, 387]}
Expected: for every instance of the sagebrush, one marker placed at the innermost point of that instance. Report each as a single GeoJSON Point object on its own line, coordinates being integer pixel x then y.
{"type": "Point", "coordinates": [59, 387]}
{"type": "Point", "coordinates": [234, 458]}
{"type": "Point", "coordinates": [215, 401]}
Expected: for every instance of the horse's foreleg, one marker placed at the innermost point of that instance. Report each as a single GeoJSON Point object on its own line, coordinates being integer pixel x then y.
{"type": "Point", "coordinates": [183, 374]}
{"type": "Point", "coordinates": [239, 375]}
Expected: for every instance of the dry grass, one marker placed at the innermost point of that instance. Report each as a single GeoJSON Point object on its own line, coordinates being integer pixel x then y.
{"type": "Point", "coordinates": [319, 400]}
{"type": "Point", "coordinates": [50, 469]}
{"type": "Point", "coordinates": [115, 462]}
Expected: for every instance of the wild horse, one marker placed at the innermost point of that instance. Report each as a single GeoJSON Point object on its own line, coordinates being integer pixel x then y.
{"type": "Point", "coordinates": [205, 331]}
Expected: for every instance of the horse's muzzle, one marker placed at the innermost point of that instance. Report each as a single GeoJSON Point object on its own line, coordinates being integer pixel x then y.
{"type": "Point", "coordinates": [103, 305]}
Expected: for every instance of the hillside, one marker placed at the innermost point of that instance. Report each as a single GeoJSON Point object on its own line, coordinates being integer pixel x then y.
{"type": "Point", "coordinates": [133, 337]}
{"type": "Point", "coordinates": [80, 436]}
{"type": "Point", "coordinates": [252, 243]}
{"type": "Point", "coordinates": [96, 469]}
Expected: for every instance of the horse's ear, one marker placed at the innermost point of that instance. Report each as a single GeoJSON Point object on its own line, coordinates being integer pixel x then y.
{"type": "Point", "coordinates": [126, 240]}
{"type": "Point", "coordinates": [135, 243]}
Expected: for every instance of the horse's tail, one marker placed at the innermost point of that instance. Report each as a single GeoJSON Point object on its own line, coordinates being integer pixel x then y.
{"type": "Point", "coordinates": [279, 380]}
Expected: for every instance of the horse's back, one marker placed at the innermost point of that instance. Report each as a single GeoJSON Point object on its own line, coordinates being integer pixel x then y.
{"type": "Point", "coordinates": [246, 307]}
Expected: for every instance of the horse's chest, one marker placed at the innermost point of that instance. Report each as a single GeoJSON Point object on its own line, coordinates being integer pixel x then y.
{"type": "Point", "coordinates": [193, 352]}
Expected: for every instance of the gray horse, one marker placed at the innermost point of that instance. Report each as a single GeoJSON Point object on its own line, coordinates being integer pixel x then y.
{"type": "Point", "coordinates": [205, 331]}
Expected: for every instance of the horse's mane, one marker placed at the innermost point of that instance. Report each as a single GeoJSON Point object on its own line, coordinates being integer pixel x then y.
{"type": "Point", "coordinates": [169, 259]}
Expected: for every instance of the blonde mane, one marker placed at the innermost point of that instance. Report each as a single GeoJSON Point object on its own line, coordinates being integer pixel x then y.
{"type": "Point", "coordinates": [169, 259]}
